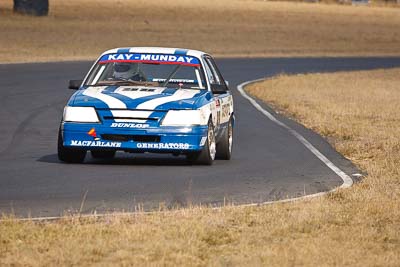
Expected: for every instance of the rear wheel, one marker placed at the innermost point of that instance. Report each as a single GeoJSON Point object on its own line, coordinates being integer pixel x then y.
{"type": "Point", "coordinates": [69, 155]}
{"type": "Point", "coordinates": [224, 146]}
{"type": "Point", "coordinates": [102, 154]}
{"type": "Point", "coordinates": [207, 154]}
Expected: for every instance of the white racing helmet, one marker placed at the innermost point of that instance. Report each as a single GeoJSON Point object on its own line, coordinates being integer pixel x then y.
{"type": "Point", "coordinates": [123, 70]}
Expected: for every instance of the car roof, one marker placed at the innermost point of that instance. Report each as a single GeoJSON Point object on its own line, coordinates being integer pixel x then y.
{"type": "Point", "coordinates": [156, 50]}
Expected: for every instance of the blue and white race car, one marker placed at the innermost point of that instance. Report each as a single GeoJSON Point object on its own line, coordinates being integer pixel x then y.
{"type": "Point", "coordinates": [148, 99]}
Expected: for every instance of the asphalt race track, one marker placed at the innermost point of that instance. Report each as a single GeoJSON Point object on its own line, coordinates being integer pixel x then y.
{"type": "Point", "coordinates": [268, 162]}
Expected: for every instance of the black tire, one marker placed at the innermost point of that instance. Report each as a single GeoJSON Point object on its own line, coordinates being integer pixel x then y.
{"type": "Point", "coordinates": [224, 146]}
{"type": "Point", "coordinates": [101, 154]}
{"type": "Point", "coordinates": [207, 154]}
{"type": "Point", "coordinates": [67, 154]}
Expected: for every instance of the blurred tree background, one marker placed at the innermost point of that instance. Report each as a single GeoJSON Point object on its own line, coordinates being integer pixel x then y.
{"type": "Point", "coordinates": [32, 7]}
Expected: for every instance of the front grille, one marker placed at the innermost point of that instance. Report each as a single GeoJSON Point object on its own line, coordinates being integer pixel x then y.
{"type": "Point", "coordinates": [130, 115]}
{"type": "Point", "coordinates": [130, 118]}
{"type": "Point", "coordinates": [128, 137]}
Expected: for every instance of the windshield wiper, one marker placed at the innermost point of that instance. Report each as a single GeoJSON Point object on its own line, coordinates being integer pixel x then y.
{"type": "Point", "coordinates": [125, 82]}
{"type": "Point", "coordinates": [171, 75]}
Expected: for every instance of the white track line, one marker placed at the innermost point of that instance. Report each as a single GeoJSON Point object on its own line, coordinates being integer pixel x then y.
{"type": "Point", "coordinates": [347, 181]}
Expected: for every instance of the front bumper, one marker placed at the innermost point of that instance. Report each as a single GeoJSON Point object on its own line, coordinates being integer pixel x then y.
{"type": "Point", "coordinates": [164, 139]}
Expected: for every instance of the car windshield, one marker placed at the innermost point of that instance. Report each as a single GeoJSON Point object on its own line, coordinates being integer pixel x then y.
{"type": "Point", "coordinates": [155, 70]}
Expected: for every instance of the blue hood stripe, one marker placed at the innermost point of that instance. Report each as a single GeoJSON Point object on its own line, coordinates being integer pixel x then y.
{"type": "Point", "coordinates": [133, 103]}
{"type": "Point", "coordinates": [174, 103]}
{"type": "Point", "coordinates": [110, 91]}
{"type": "Point", "coordinates": [144, 99]}
{"type": "Point", "coordinates": [170, 91]}
{"type": "Point", "coordinates": [87, 101]}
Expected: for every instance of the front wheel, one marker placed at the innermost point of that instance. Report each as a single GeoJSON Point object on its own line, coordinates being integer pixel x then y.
{"type": "Point", "coordinates": [67, 154]}
{"type": "Point", "coordinates": [207, 154]}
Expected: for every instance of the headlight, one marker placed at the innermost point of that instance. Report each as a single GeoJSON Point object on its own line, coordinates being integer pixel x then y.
{"type": "Point", "coordinates": [184, 118]}
{"type": "Point", "coordinates": [80, 114]}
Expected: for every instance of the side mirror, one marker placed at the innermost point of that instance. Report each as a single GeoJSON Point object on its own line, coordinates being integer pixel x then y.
{"type": "Point", "coordinates": [219, 88]}
{"type": "Point", "coordinates": [74, 84]}
{"type": "Point", "coordinates": [227, 83]}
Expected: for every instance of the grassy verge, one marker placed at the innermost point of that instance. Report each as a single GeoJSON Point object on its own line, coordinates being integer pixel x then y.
{"type": "Point", "coordinates": [358, 112]}
{"type": "Point", "coordinates": [78, 29]}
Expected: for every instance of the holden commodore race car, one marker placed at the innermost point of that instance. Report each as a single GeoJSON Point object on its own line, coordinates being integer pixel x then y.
{"type": "Point", "coordinates": [148, 99]}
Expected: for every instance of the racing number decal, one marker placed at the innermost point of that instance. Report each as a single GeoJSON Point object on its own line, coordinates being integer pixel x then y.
{"type": "Point", "coordinates": [218, 108]}
{"type": "Point", "coordinates": [225, 108]}
{"type": "Point", "coordinates": [225, 112]}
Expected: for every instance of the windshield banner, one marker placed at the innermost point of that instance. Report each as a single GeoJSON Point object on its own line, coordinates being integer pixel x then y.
{"type": "Point", "coordinates": [151, 58]}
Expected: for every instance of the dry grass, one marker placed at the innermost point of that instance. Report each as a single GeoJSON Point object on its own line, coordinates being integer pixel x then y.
{"type": "Point", "coordinates": [359, 113]}
{"type": "Point", "coordinates": [78, 29]}
{"type": "Point", "coordinates": [324, 232]}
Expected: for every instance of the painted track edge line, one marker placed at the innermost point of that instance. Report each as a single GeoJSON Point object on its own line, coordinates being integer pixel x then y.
{"type": "Point", "coordinates": [347, 181]}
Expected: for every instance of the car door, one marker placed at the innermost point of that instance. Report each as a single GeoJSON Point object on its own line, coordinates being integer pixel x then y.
{"type": "Point", "coordinates": [223, 100]}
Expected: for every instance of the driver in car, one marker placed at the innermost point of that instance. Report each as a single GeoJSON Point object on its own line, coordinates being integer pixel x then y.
{"type": "Point", "coordinates": [128, 71]}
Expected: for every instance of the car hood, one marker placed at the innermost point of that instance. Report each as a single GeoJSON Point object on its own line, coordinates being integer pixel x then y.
{"type": "Point", "coordinates": [136, 97]}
